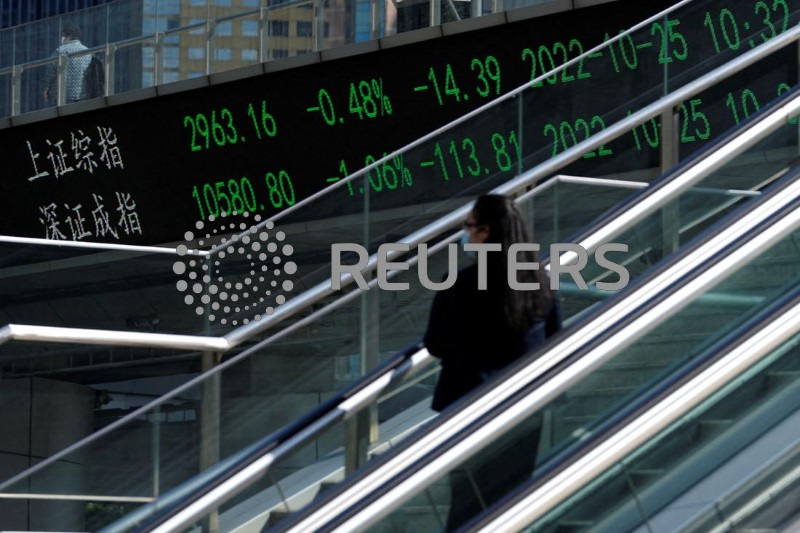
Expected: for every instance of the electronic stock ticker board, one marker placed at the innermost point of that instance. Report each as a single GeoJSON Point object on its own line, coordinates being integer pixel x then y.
{"type": "Point", "coordinates": [145, 171]}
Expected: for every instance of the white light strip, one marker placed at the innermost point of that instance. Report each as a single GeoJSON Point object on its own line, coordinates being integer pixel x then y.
{"type": "Point", "coordinates": [604, 182]}
{"type": "Point", "coordinates": [74, 497]}
{"type": "Point", "coordinates": [97, 246]}
{"type": "Point", "coordinates": [21, 332]}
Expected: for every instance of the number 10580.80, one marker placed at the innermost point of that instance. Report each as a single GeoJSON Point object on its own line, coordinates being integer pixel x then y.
{"type": "Point", "coordinates": [234, 197]}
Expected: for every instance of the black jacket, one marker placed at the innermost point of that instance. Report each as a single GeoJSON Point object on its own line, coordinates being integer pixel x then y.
{"type": "Point", "coordinates": [467, 330]}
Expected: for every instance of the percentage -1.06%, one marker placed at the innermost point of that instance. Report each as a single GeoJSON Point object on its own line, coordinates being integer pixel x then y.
{"type": "Point", "coordinates": [390, 175]}
{"type": "Point", "coordinates": [366, 99]}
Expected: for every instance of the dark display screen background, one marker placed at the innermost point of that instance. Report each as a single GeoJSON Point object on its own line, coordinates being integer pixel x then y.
{"type": "Point", "coordinates": [145, 172]}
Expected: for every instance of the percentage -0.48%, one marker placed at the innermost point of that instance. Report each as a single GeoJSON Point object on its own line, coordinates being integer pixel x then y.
{"type": "Point", "coordinates": [365, 99]}
{"type": "Point", "coordinates": [390, 175]}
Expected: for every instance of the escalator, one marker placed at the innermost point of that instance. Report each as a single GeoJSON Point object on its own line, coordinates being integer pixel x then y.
{"type": "Point", "coordinates": [330, 346]}
{"type": "Point", "coordinates": [409, 488]}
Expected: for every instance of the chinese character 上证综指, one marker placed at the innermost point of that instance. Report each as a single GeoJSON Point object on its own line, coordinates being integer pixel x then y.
{"type": "Point", "coordinates": [76, 223]}
{"type": "Point", "coordinates": [58, 160]}
{"type": "Point", "coordinates": [101, 222]}
{"type": "Point", "coordinates": [111, 155]}
{"type": "Point", "coordinates": [129, 219]}
{"type": "Point", "coordinates": [84, 157]}
{"type": "Point", "coordinates": [51, 223]}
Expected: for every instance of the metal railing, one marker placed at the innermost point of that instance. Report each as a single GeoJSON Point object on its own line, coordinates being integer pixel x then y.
{"type": "Point", "coordinates": [88, 245]}
{"type": "Point", "coordinates": [102, 22]}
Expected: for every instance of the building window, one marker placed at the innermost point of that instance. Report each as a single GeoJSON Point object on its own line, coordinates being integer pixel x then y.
{"type": "Point", "coordinates": [170, 7]}
{"type": "Point", "coordinates": [164, 23]}
{"type": "Point", "coordinates": [224, 54]}
{"type": "Point", "coordinates": [279, 54]}
{"type": "Point", "coordinates": [197, 2]}
{"type": "Point", "coordinates": [249, 54]}
{"type": "Point", "coordinates": [279, 28]}
{"type": "Point", "coordinates": [197, 52]}
{"type": "Point", "coordinates": [249, 28]}
{"type": "Point", "coordinates": [224, 3]}
{"type": "Point", "coordinates": [251, 3]}
{"type": "Point", "coordinates": [303, 29]}
{"type": "Point", "coordinates": [171, 57]}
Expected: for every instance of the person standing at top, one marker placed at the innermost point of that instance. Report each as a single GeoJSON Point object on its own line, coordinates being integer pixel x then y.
{"type": "Point", "coordinates": [74, 67]}
{"type": "Point", "coordinates": [476, 333]}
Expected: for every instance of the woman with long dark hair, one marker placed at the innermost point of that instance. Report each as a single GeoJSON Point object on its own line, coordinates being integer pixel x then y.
{"type": "Point", "coordinates": [478, 332]}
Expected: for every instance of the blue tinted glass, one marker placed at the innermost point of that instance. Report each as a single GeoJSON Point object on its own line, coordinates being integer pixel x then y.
{"type": "Point", "coordinates": [249, 27]}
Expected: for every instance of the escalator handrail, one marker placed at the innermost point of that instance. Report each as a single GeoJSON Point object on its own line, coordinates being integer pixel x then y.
{"type": "Point", "coordinates": [282, 443]}
{"type": "Point", "coordinates": [613, 320]}
{"type": "Point", "coordinates": [104, 246]}
{"type": "Point", "coordinates": [761, 339]}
